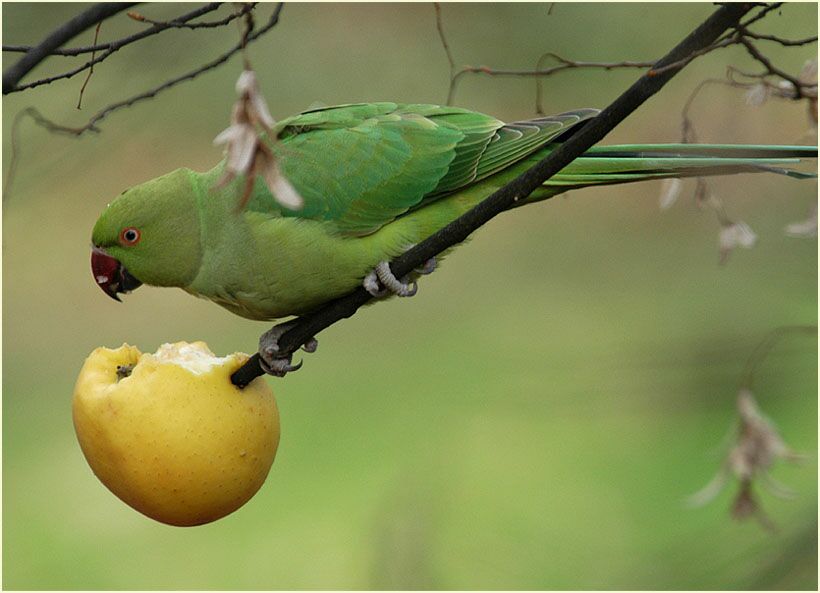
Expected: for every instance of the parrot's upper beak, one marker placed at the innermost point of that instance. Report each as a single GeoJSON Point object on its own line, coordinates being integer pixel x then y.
{"type": "Point", "coordinates": [111, 275]}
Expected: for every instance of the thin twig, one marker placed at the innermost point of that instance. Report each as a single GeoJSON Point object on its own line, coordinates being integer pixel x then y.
{"type": "Point", "coordinates": [246, 32]}
{"type": "Point", "coordinates": [443, 38]}
{"type": "Point", "coordinates": [113, 47]}
{"type": "Point", "coordinates": [90, 70]}
{"type": "Point", "coordinates": [21, 49]}
{"type": "Point", "coordinates": [782, 41]}
{"type": "Point", "coordinates": [703, 192]}
{"type": "Point", "coordinates": [68, 30]}
{"type": "Point", "coordinates": [565, 64]}
{"type": "Point", "coordinates": [15, 154]}
{"type": "Point", "coordinates": [538, 73]}
{"type": "Point", "coordinates": [687, 59]}
{"type": "Point", "coordinates": [766, 9]}
{"type": "Point", "coordinates": [688, 134]}
{"type": "Point", "coordinates": [178, 23]}
{"type": "Point", "coordinates": [457, 231]}
{"type": "Point", "coordinates": [771, 68]}
{"type": "Point", "coordinates": [808, 89]}
{"type": "Point", "coordinates": [91, 125]}
{"type": "Point", "coordinates": [740, 35]}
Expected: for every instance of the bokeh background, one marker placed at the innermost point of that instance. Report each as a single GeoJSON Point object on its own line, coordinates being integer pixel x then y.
{"type": "Point", "coordinates": [533, 419]}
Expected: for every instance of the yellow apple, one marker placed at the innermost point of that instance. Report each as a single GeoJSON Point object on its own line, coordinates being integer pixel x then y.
{"type": "Point", "coordinates": [170, 435]}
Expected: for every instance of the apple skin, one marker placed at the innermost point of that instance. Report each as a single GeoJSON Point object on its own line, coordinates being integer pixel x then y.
{"type": "Point", "coordinates": [180, 447]}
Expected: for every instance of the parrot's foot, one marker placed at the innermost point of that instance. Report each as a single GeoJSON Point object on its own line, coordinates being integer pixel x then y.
{"type": "Point", "coordinates": [271, 361]}
{"type": "Point", "coordinates": [381, 282]}
{"type": "Point", "coordinates": [381, 276]}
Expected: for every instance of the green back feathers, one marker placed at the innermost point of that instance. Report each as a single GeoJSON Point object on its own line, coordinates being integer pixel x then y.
{"type": "Point", "coordinates": [358, 167]}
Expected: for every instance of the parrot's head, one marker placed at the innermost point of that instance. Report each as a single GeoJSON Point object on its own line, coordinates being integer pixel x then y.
{"type": "Point", "coordinates": [150, 234]}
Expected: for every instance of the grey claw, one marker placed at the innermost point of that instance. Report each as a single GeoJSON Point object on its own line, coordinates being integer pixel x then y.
{"type": "Point", "coordinates": [428, 267]}
{"type": "Point", "coordinates": [408, 290]}
{"type": "Point", "coordinates": [279, 367]}
{"type": "Point", "coordinates": [290, 368]}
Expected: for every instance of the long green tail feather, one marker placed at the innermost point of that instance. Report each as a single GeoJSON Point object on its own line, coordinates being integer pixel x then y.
{"type": "Point", "coordinates": [745, 151]}
{"type": "Point", "coordinates": [608, 165]}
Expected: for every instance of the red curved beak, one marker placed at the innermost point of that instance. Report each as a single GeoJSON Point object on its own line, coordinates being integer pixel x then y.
{"type": "Point", "coordinates": [110, 275]}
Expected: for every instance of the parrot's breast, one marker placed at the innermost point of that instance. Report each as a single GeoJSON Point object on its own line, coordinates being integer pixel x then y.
{"type": "Point", "coordinates": [248, 306]}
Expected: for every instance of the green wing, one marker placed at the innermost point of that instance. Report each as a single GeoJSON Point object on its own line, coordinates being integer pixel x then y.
{"type": "Point", "coordinates": [359, 167]}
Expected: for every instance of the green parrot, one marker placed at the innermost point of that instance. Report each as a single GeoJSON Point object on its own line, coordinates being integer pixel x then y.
{"type": "Point", "coordinates": [374, 179]}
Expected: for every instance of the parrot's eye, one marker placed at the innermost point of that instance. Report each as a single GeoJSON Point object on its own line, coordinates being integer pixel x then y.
{"type": "Point", "coordinates": [129, 236]}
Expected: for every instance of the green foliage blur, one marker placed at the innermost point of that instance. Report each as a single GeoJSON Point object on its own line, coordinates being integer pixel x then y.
{"type": "Point", "coordinates": [533, 419]}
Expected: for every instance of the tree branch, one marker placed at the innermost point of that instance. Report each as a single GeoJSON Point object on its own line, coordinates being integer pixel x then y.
{"type": "Point", "coordinates": [782, 41]}
{"type": "Point", "coordinates": [309, 325]}
{"type": "Point", "coordinates": [90, 70]}
{"type": "Point", "coordinates": [59, 36]}
{"type": "Point", "coordinates": [110, 48]}
{"type": "Point", "coordinates": [685, 60]}
{"type": "Point", "coordinates": [180, 22]}
{"type": "Point", "coordinates": [91, 125]}
{"type": "Point", "coordinates": [762, 14]}
{"type": "Point", "coordinates": [539, 72]}
{"type": "Point", "coordinates": [771, 68]}
{"type": "Point", "coordinates": [443, 37]}
{"type": "Point", "coordinates": [565, 64]}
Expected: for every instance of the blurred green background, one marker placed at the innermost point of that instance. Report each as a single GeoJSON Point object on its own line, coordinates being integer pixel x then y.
{"type": "Point", "coordinates": [533, 419]}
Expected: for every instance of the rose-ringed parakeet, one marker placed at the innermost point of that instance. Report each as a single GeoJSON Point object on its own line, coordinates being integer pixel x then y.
{"type": "Point", "coordinates": [375, 178]}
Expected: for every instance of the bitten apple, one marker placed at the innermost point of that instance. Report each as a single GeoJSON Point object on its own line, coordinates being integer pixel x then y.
{"type": "Point", "coordinates": [170, 435]}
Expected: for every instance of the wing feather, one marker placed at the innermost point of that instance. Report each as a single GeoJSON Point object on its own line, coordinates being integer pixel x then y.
{"type": "Point", "coordinates": [360, 166]}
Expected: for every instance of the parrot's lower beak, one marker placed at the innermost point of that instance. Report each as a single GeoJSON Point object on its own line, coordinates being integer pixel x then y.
{"type": "Point", "coordinates": [111, 275]}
